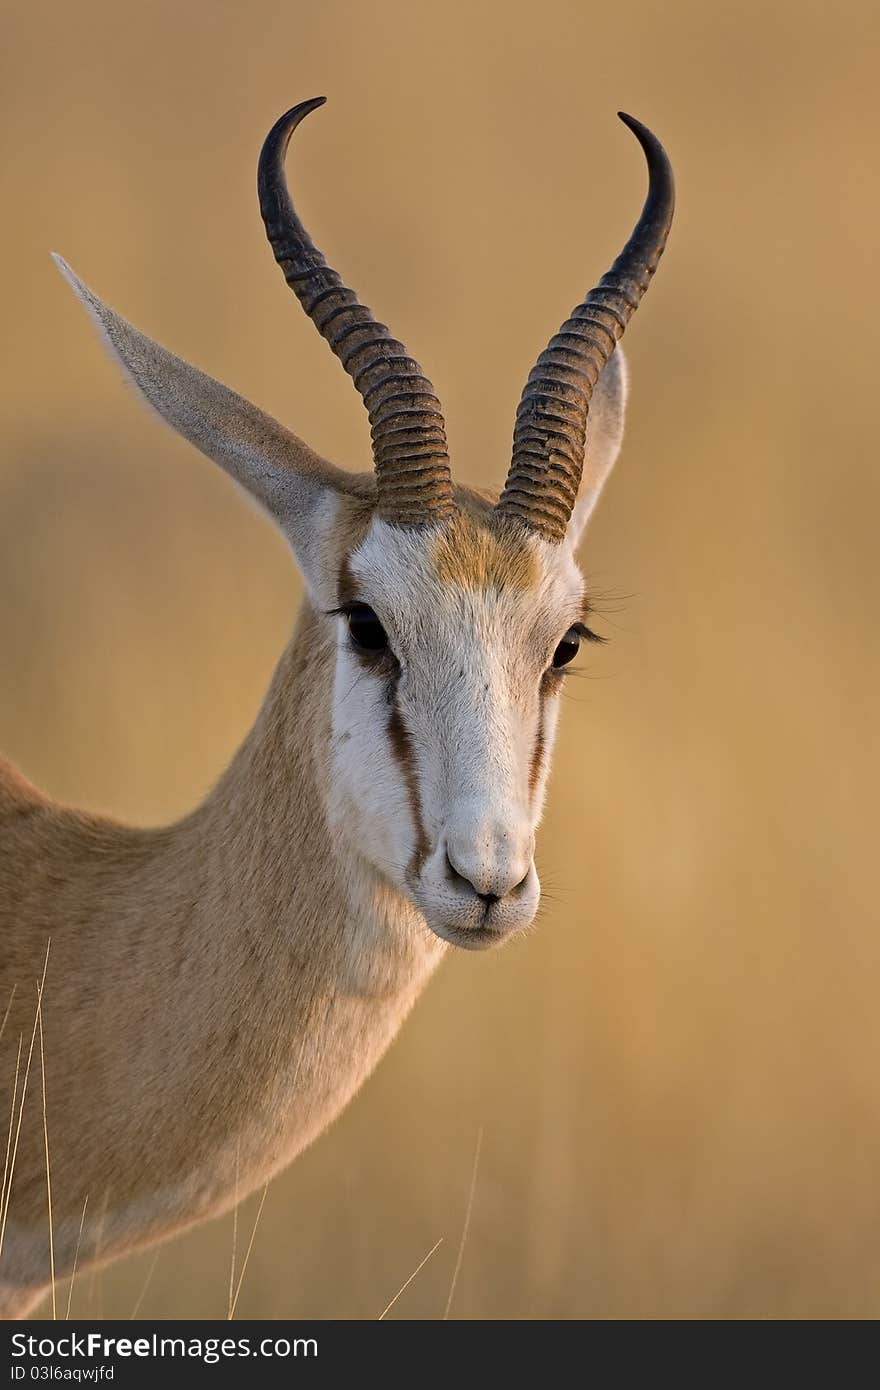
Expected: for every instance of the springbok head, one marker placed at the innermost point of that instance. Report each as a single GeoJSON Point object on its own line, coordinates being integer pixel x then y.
{"type": "Point", "coordinates": [448, 618]}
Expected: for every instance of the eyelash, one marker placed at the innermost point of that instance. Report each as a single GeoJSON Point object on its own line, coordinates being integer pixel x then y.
{"type": "Point", "coordinates": [588, 634]}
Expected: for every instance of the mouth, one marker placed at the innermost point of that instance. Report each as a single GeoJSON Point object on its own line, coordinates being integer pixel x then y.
{"type": "Point", "coordinates": [482, 938]}
{"type": "Point", "coordinates": [477, 936]}
{"type": "Point", "coordinates": [472, 923]}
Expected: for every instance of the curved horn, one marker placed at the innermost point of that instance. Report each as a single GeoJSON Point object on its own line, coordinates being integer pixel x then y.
{"type": "Point", "coordinates": [408, 432]}
{"type": "Point", "coordinates": [551, 420]}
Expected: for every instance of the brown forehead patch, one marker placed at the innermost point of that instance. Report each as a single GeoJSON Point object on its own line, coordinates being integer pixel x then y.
{"type": "Point", "coordinates": [469, 554]}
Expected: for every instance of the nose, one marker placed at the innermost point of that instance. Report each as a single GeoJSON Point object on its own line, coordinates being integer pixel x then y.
{"type": "Point", "coordinates": [492, 876]}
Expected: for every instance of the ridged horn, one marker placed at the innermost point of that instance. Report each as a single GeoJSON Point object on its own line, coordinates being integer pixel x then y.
{"type": "Point", "coordinates": [551, 420]}
{"type": "Point", "coordinates": [408, 432]}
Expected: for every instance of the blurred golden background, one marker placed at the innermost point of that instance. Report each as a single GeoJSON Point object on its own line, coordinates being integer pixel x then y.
{"type": "Point", "coordinates": [677, 1074]}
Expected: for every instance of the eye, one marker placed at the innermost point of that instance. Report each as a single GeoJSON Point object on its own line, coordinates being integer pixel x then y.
{"type": "Point", "coordinates": [568, 649]}
{"type": "Point", "coordinates": [365, 629]}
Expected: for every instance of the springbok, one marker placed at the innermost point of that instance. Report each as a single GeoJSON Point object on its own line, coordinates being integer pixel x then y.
{"type": "Point", "coordinates": [217, 990]}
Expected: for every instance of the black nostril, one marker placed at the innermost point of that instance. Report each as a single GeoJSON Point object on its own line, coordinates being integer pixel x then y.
{"type": "Point", "coordinates": [461, 879]}
{"type": "Point", "coordinates": [453, 873]}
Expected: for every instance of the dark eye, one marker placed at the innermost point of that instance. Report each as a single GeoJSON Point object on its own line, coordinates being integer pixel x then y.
{"type": "Point", "coordinates": [366, 630]}
{"type": "Point", "coordinates": [568, 649]}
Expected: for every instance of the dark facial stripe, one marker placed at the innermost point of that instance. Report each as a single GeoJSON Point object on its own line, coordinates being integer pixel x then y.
{"type": "Point", "coordinates": [538, 750]}
{"type": "Point", "coordinates": [401, 747]}
{"type": "Point", "coordinates": [398, 734]}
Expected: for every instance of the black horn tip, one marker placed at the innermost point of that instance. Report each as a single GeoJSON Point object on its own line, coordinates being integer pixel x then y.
{"type": "Point", "coordinates": [302, 108]}
{"type": "Point", "coordinates": [646, 138]}
{"type": "Point", "coordinates": [631, 121]}
{"type": "Point", "coordinates": [657, 212]}
{"type": "Point", "coordinates": [276, 142]}
{"type": "Point", "coordinates": [658, 160]}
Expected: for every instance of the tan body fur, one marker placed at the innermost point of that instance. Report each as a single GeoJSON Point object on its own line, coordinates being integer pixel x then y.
{"type": "Point", "coordinates": [202, 1012]}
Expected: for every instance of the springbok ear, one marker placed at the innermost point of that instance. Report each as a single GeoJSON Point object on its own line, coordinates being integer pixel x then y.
{"type": "Point", "coordinates": [297, 487]}
{"type": "Point", "coordinates": [604, 438]}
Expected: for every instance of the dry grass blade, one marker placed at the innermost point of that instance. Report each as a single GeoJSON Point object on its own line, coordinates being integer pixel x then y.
{"type": "Point", "coordinates": [8, 1008]}
{"type": "Point", "coordinates": [146, 1284]}
{"type": "Point", "coordinates": [46, 1146]}
{"type": "Point", "coordinates": [24, 1085]}
{"type": "Point", "coordinates": [96, 1281]}
{"type": "Point", "coordinates": [403, 1288]}
{"type": "Point", "coordinates": [233, 1297]}
{"type": "Point", "coordinates": [247, 1253]}
{"type": "Point", "coordinates": [11, 1124]}
{"type": "Point", "coordinates": [467, 1222]}
{"type": "Point", "coordinates": [229, 1305]}
{"type": "Point", "coordinates": [82, 1221]}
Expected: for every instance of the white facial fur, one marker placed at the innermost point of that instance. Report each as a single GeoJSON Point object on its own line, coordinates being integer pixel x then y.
{"type": "Point", "coordinates": [440, 755]}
